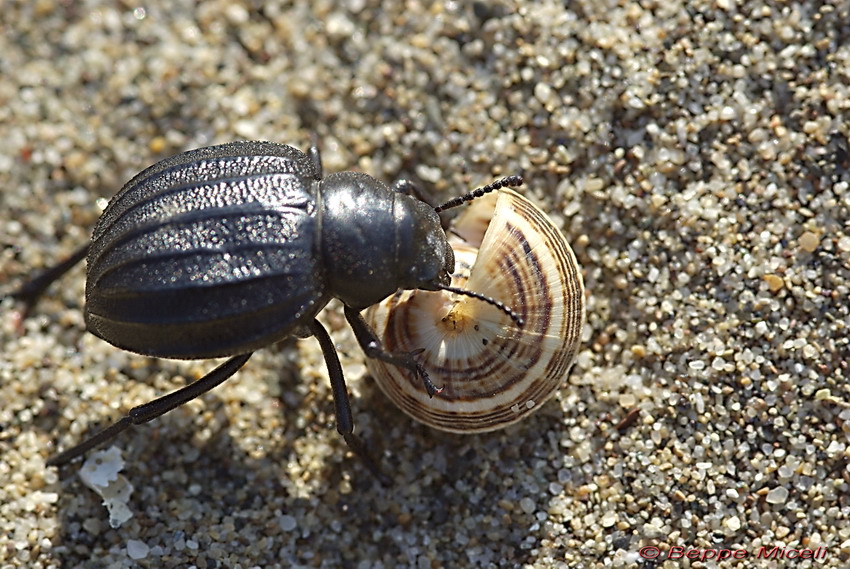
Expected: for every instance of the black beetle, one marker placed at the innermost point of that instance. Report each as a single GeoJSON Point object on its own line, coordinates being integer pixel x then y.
{"type": "Point", "coordinates": [223, 250]}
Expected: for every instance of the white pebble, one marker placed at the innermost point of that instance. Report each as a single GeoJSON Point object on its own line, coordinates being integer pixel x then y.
{"type": "Point", "coordinates": [527, 505]}
{"type": "Point", "coordinates": [137, 549]}
{"type": "Point", "coordinates": [543, 92]}
{"type": "Point", "coordinates": [777, 496]}
{"type": "Point", "coordinates": [287, 523]}
{"type": "Point", "coordinates": [785, 471]}
{"type": "Point", "coordinates": [733, 523]}
{"type": "Point", "coordinates": [101, 473]}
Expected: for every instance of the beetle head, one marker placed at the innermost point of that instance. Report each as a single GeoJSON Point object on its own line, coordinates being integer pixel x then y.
{"type": "Point", "coordinates": [423, 257]}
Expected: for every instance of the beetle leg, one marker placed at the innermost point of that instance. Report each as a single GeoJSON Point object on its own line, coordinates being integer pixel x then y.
{"type": "Point", "coordinates": [316, 157]}
{"type": "Point", "coordinates": [344, 420]}
{"type": "Point", "coordinates": [371, 346]}
{"type": "Point", "coordinates": [30, 291]}
{"type": "Point", "coordinates": [408, 188]}
{"type": "Point", "coordinates": [153, 409]}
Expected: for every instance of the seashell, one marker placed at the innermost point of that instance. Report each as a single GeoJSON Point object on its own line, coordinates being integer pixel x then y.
{"type": "Point", "coordinates": [493, 372]}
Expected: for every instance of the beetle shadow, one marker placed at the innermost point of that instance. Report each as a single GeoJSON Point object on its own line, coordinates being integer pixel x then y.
{"type": "Point", "coordinates": [511, 473]}
{"type": "Point", "coordinates": [454, 477]}
{"type": "Point", "coordinates": [182, 481]}
{"type": "Point", "coordinates": [175, 475]}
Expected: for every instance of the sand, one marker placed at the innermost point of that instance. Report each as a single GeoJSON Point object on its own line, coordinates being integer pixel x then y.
{"type": "Point", "coordinates": [694, 153]}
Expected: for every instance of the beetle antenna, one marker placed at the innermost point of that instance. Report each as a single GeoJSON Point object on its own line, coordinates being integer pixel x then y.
{"type": "Point", "coordinates": [506, 182]}
{"type": "Point", "coordinates": [491, 301]}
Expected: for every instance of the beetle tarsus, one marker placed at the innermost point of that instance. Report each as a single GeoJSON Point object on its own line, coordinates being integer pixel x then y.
{"type": "Point", "coordinates": [421, 373]}
{"type": "Point", "coordinates": [358, 447]}
{"type": "Point", "coordinates": [371, 346]}
{"type": "Point", "coordinates": [426, 379]}
{"type": "Point", "coordinates": [101, 436]}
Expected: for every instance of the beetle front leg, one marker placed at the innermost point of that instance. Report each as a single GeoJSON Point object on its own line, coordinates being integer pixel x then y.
{"type": "Point", "coordinates": [371, 346]}
{"type": "Point", "coordinates": [344, 421]}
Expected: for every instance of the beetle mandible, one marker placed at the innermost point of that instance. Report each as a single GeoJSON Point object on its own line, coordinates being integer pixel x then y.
{"type": "Point", "coordinates": [223, 250]}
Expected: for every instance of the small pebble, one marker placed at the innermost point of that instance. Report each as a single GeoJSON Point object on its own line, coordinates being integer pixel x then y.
{"type": "Point", "coordinates": [527, 505]}
{"type": "Point", "coordinates": [808, 241]}
{"type": "Point", "coordinates": [137, 549]}
{"type": "Point", "coordinates": [774, 282]}
{"type": "Point", "coordinates": [777, 495]}
{"type": "Point", "coordinates": [288, 523]}
{"type": "Point", "coordinates": [733, 523]}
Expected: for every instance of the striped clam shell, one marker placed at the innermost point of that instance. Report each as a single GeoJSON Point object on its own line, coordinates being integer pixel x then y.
{"type": "Point", "coordinates": [492, 371]}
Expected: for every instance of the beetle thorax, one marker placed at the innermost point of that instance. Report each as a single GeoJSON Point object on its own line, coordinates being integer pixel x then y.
{"type": "Point", "coordinates": [375, 241]}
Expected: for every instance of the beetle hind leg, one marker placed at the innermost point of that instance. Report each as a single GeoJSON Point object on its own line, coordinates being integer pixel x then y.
{"type": "Point", "coordinates": [153, 409]}
{"type": "Point", "coordinates": [30, 291]}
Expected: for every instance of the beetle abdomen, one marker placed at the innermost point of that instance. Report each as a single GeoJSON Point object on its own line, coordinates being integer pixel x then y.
{"type": "Point", "coordinates": [209, 253]}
